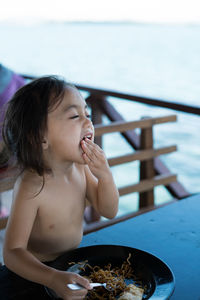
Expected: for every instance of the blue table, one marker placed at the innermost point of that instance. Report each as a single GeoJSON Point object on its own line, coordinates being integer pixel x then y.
{"type": "Point", "coordinates": [171, 233]}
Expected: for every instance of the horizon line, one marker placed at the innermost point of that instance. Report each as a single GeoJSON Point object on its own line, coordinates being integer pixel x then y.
{"type": "Point", "coordinates": [51, 21]}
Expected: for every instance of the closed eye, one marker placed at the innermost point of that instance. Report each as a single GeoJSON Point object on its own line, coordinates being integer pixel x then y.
{"type": "Point", "coordinates": [77, 116]}
{"type": "Point", "coordinates": [74, 117]}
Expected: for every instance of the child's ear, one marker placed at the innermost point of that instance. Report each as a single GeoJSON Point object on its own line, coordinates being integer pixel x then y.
{"type": "Point", "coordinates": [45, 144]}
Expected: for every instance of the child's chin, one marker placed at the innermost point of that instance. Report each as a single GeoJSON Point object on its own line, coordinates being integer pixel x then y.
{"type": "Point", "coordinates": [81, 160]}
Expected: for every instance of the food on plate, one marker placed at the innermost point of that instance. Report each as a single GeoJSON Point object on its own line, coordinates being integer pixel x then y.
{"type": "Point", "coordinates": [116, 279]}
{"type": "Point", "coordinates": [132, 292]}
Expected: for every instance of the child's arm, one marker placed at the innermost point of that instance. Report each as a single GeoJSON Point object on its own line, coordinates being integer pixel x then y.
{"type": "Point", "coordinates": [101, 189]}
{"type": "Point", "coordinates": [18, 259]}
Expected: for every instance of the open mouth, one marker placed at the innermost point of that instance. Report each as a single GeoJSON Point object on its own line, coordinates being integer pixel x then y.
{"type": "Point", "coordinates": [87, 136]}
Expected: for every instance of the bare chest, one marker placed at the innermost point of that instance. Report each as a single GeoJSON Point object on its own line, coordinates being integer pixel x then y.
{"type": "Point", "coordinates": [62, 205]}
{"type": "Point", "coordinates": [58, 224]}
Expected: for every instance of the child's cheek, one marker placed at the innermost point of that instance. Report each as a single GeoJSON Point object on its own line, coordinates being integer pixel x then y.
{"type": "Point", "coordinates": [83, 145]}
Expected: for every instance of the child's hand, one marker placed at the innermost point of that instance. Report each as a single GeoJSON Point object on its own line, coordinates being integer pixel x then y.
{"type": "Point", "coordinates": [59, 283]}
{"type": "Point", "coordinates": [95, 158]}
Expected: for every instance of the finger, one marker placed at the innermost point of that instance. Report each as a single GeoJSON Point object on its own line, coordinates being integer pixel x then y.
{"type": "Point", "coordinates": [95, 153]}
{"type": "Point", "coordinates": [86, 159]}
{"type": "Point", "coordinates": [90, 152]}
{"type": "Point", "coordinates": [90, 141]}
{"type": "Point", "coordinates": [92, 145]}
{"type": "Point", "coordinates": [94, 148]}
{"type": "Point", "coordinates": [81, 281]}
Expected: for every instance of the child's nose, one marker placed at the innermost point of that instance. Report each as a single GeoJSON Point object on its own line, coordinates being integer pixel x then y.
{"type": "Point", "coordinates": [87, 122]}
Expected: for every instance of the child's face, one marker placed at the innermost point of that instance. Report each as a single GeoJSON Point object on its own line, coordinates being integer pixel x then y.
{"type": "Point", "coordinates": [67, 125]}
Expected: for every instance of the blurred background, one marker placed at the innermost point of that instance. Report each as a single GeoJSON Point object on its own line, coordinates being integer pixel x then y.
{"type": "Point", "coordinates": [148, 47]}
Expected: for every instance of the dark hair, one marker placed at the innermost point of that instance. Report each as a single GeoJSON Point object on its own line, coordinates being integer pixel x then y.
{"type": "Point", "coordinates": [26, 120]}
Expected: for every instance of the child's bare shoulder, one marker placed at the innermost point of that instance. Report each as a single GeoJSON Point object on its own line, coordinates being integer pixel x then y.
{"type": "Point", "coordinates": [28, 185]}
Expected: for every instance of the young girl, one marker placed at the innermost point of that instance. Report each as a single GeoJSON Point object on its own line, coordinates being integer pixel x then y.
{"type": "Point", "coordinates": [48, 130]}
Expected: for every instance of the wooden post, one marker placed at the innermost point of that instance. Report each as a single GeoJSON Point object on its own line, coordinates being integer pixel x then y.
{"type": "Point", "coordinates": [90, 213]}
{"type": "Point", "coordinates": [146, 167]}
{"type": "Point", "coordinates": [96, 114]}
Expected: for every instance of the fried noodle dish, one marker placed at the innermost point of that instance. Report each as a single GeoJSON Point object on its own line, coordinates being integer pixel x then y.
{"type": "Point", "coordinates": [115, 279]}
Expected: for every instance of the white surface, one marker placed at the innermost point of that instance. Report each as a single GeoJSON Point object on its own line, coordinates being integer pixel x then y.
{"type": "Point", "coordinates": [78, 287]}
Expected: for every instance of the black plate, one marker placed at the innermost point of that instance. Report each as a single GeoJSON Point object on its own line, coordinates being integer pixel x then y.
{"type": "Point", "coordinates": [152, 271]}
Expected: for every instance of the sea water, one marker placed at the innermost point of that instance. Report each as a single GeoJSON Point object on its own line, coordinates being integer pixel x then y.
{"type": "Point", "coordinates": [153, 60]}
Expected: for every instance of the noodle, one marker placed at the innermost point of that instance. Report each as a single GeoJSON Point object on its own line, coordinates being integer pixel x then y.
{"type": "Point", "coordinates": [114, 277]}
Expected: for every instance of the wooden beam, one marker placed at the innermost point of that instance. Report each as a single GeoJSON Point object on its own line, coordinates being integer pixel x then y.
{"type": "Point", "coordinates": [120, 126]}
{"type": "Point", "coordinates": [147, 184]}
{"type": "Point", "coordinates": [140, 155]}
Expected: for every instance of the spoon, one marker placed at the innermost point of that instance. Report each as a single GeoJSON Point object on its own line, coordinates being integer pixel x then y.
{"type": "Point", "coordinates": [74, 286]}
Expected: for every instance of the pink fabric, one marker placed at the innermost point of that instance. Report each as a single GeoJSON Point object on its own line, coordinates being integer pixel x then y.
{"type": "Point", "coordinates": [15, 83]}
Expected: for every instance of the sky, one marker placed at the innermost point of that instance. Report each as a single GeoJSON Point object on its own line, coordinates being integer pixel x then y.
{"type": "Point", "coordinates": [156, 11]}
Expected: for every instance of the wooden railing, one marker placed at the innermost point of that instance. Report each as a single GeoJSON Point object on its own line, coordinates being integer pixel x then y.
{"type": "Point", "coordinates": [101, 106]}
{"type": "Point", "coordinates": [152, 170]}
{"type": "Point", "coordinates": [146, 155]}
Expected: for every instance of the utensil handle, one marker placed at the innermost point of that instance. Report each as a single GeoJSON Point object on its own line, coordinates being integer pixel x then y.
{"type": "Point", "coordinates": [75, 286]}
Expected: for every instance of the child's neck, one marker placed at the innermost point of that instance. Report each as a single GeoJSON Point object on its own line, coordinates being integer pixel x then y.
{"type": "Point", "coordinates": [62, 170]}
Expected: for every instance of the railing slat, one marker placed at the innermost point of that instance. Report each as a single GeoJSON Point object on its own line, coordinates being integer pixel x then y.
{"type": "Point", "coordinates": [140, 155]}
{"type": "Point", "coordinates": [125, 126]}
{"type": "Point", "coordinates": [147, 184]}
